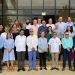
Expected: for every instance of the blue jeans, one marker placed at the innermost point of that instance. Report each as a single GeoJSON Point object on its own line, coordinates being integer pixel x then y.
{"type": "Point", "coordinates": [66, 54]}
{"type": "Point", "coordinates": [32, 59]}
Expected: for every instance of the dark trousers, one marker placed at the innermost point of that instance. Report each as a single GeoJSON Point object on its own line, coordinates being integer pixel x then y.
{"type": "Point", "coordinates": [1, 54]}
{"type": "Point", "coordinates": [42, 59]}
{"type": "Point", "coordinates": [74, 59]}
{"type": "Point", "coordinates": [21, 58]}
{"type": "Point", "coordinates": [66, 54]}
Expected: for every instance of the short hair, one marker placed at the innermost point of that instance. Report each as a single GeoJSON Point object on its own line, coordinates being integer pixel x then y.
{"type": "Point", "coordinates": [54, 32]}
{"type": "Point", "coordinates": [21, 30]}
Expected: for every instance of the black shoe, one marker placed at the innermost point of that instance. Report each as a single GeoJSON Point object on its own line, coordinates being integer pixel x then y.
{"type": "Point", "coordinates": [35, 69]}
{"type": "Point", "coordinates": [74, 69]}
{"type": "Point", "coordinates": [52, 68]}
{"type": "Point", "coordinates": [57, 68]}
{"type": "Point", "coordinates": [40, 68]}
{"type": "Point", "coordinates": [29, 69]}
{"type": "Point", "coordinates": [63, 69]}
{"type": "Point", "coordinates": [18, 70]}
{"type": "Point", "coordinates": [0, 71]}
{"type": "Point", "coordinates": [23, 69]}
{"type": "Point", "coordinates": [45, 68]}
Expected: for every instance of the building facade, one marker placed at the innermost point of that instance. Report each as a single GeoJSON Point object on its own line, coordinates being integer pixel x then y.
{"type": "Point", "coordinates": [22, 9]}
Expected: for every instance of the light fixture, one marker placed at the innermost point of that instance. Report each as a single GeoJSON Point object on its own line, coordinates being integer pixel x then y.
{"type": "Point", "coordinates": [43, 13]}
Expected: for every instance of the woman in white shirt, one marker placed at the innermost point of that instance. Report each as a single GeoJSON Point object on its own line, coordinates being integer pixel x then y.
{"type": "Point", "coordinates": [32, 43]}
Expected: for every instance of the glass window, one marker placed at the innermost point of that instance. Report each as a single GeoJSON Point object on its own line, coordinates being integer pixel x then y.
{"type": "Point", "coordinates": [63, 13]}
{"type": "Point", "coordinates": [24, 4]}
{"type": "Point", "coordinates": [62, 4]}
{"type": "Point", "coordinates": [9, 20]}
{"type": "Point", "coordinates": [72, 13]}
{"type": "Point", "coordinates": [22, 19]}
{"type": "Point", "coordinates": [10, 12]}
{"type": "Point", "coordinates": [50, 12]}
{"type": "Point", "coordinates": [0, 12]}
{"type": "Point", "coordinates": [0, 4]}
{"type": "Point", "coordinates": [72, 4]}
{"type": "Point", "coordinates": [10, 4]}
{"type": "Point", "coordinates": [49, 4]}
{"type": "Point", "coordinates": [0, 19]}
{"type": "Point", "coordinates": [24, 12]}
{"type": "Point", "coordinates": [37, 4]}
{"type": "Point", "coordinates": [36, 12]}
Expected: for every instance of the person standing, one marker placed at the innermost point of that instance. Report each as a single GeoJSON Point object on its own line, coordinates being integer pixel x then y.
{"type": "Point", "coordinates": [49, 36]}
{"type": "Point", "coordinates": [1, 28]}
{"type": "Point", "coordinates": [35, 27]}
{"type": "Point", "coordinates": [20, 43]}
{"type": "Point", "coordinates": [39, 22]}
{"type": "Point", "coordinates": [27, 24]}
{"type": "Point", "coordinates": [1, 52]}
{"type": "Point", "coordinates": [42, 49]}
{"type": "Point", "coordinates": [69, 30]}
{"type": "Point", "coordinates": [60, 27]}
{"type": "Point", "coordinates": [32, 43]}
{"type": "Point", "coordinates": [50, 24]}
{"type": "Point", "coordinates": [67, 43]}
{"type": "Point", "coordinates": [43, 27]}
{"type": "Point", "coordinates": [69, 22]}
{"type": "Point", "coordinates": [74, 50]}
{"type": "Point", "coordinates": [55, 47]}
{"type": "Point", "coordinates": [9, 56]}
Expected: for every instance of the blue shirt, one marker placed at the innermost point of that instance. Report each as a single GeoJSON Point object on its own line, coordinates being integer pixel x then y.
{"type": "Point", "coordinates": [61, 28]}
{"type": "Point", "coordinates": [1, 42]}
{"type": "Point", "coordinates": [69, 23]}
{"type": "Point", "coordinates": [67, 42]}
{"type": "Point", "coordinates": [73, 28]}
{"type": "Point", "coordinates": [42, 44]}
{"type": "Point", "coordinates": [9, 43]}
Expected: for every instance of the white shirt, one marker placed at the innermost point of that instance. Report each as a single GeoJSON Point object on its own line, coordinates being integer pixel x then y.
{"type": "Point", "coordinates": [3, 35]}
{"type": "Point", "coordinates": [39, 25]}
{"type": "Point", "coordinates": [32, 41]}
{"type": "Point", "coordinates": [54, 45]}
{"type": "Point", "coordinates": [20, 43]}
{"type": "Point", "coordinates": [28, 26]}
{"type": "Point", "coordinates": [52, 25]}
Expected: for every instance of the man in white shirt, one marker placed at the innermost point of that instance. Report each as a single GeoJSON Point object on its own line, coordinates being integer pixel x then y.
{"type": "Point", "coordinates": [50, 24]}
{"type": "Point", "coordinates": [27, 24]}
{"type": "Point", "coordinates": [20, 43]}
{"type": "Point", "coordinates": [32, 43]}
{"type": "Point", "coordinates": [54, 46]}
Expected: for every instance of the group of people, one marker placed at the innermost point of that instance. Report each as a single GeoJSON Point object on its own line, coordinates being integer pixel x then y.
{"type": "Point", "coordinates": [48, 40]}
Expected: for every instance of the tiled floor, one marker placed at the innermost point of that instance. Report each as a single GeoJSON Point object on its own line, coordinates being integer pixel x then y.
{"type": "Point", "coordinates": [43, 72]}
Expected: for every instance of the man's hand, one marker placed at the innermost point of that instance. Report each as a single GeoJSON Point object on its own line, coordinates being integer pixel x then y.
{"type": "Point", "coordinates": [33, 49]}
{"type": "Point", "coordinates": [68, 49]}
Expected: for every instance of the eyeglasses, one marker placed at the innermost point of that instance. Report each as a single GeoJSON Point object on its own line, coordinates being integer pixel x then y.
{"type": "Point", "coordinates": [66, 34]}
